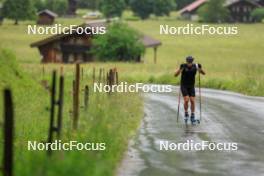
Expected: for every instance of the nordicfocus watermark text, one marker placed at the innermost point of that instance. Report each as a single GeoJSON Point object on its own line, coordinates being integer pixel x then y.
{"type": "Point", "coordinates": [204, 29]}
{"type": "Point", "coordinates": [190, 145]}
{"type": "Point", "coordinates": [124, 87]}
{"type": "Point", "coordinates": [66, 146]}
{"type": "Point", "coordinates": [59, 29]}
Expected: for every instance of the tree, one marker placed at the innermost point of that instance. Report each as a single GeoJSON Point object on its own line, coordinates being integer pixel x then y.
{"type": "Point", "coordinates": [72, 7]}
{"type": "Point", "coordinates": [40, 5]}
{"type": "Point", "coordinates": [258, 14]}
{"type": "Point", "coordinates": [19, 10]}
{"type": "Point", "coordinates": [144, 8]}
{"type": "Point", "coordinates": [91, 4]}
{"type": "Point", "coordinates": [120, 43]}
{"type": "Point", "coordinates": [163, 7]}
{"type": "Point", "coordinates": [58, 6]}
{"type": "Point", "coordinates": [214, 12]}
{"type": "Point", "coordinates": [112, 8]}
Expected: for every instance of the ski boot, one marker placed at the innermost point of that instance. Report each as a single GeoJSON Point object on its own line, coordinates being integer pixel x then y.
{"type": "Point", "coordinates": [186, 117]}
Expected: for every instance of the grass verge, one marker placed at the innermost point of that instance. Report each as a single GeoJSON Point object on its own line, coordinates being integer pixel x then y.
{"type": "Point", "coordinates": [111, 119]}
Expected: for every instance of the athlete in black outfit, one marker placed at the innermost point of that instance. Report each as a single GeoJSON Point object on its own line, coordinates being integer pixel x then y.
{"type": "Point", "coordinates": [188, 72]}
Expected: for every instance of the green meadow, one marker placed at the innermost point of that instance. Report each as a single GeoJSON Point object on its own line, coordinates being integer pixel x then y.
{"type": "Point", "coordinates": [232, 63]}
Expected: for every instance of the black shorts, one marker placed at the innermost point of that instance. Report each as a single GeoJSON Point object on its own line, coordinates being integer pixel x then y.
{"type": "Point", "coordinates": [188, 91]}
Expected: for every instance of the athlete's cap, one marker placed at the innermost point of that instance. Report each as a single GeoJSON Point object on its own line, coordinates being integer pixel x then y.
{"type": "Point", "coordinates": [189, 59]}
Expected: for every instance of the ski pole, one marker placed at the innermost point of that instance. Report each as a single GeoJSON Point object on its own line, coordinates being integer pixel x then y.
{"type": "Point", "coordinates": [179, 101]}
{"type": "Point", "coordinates": [200, 96]}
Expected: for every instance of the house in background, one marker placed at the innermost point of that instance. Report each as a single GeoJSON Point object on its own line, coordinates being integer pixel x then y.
{"type": "Point", "coordinates": [72, 7]}
{"type": "Point", "coordinates": [73, 48]}
{"type": "Point", "coordinates": [240, 10]}
{"type": "Point", "coordinates": [46, 17]}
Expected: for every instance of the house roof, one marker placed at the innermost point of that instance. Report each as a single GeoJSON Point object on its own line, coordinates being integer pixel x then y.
{"type": "Point", "coordinates": [231, 2]}
{"type": "Point", "coordinates": [146, 40]}
{"type": "Point", "coordinates": [60, 36]}
{"type": "Point", "coordinates": [196, 4]}
{"type": "Point", "coordinates": [48, 12]}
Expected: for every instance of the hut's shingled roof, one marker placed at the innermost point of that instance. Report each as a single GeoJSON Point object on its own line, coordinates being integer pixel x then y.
{"type": "Point", "coordinates": [48, 12]}
{"type": "Point", "coordinates": [149, 41]}
{"type": "Point", "coordinates": [230, 2]}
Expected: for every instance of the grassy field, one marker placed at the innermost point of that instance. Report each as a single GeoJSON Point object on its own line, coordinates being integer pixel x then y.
{"type": "Point", "coordinates": [231, 62]}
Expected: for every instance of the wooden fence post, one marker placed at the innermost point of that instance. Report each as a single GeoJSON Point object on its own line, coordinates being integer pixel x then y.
{"type": "Point", "coordinates": [52, 110]}
{"type": "Point", "coordinates": [110, 77]}
{"type": "Point", "coordinates": [116, 78]}
{"type": "Point", "coordinates": [60, 104]}
{"type": "Point", "coordinates": [86, 97]}
{"type": "Point", "coordinates": [54, 103]}
{"type": "Point", "coordinates": [107, 79]}
{"type": "Point", "coordinates": [8, 133]}
{"type": "Point", "coordinates": [73, 97]}
{"type": "Point", "coordinates": [76, 100]}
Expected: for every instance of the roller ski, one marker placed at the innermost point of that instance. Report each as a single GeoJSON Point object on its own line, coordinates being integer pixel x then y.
{"type": "Point", "coordinates": [193, 120]}
{"type": "Point", "coordinates": [186, 116]}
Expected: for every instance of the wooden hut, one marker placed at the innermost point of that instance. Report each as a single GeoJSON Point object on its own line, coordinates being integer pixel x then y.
{"type": "Point", "coordinates": [72, 48]}
{"type": "Point", "coordinates": [240, 10]}
{"type": "Point", "coordinates": [46, 17]}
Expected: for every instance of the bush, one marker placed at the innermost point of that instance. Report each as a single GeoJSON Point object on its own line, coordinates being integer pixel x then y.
{"type": "Point", "coordinates": [40, 5]}
{"type": "Point", "coordinates": [112, 8]}
{"type": "Point", "coordinates": [258, 14]}
{"type": "Point", "coordinates": [120, 43]}
{"type": "Point", "coordinates": [144, 8]}
{"type": "Point", "coordinates": [213, 12]}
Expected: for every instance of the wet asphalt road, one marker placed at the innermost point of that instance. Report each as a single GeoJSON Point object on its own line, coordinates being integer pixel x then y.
{"type": "Point", "coordinates": [226, 117]}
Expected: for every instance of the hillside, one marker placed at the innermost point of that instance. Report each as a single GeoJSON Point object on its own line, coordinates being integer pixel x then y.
{"type": "Point", "coordinates": [106, 121]}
